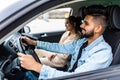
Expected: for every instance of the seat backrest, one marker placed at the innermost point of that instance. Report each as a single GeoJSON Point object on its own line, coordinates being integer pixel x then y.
{"type": "Point", "coordinates": [112, 33]}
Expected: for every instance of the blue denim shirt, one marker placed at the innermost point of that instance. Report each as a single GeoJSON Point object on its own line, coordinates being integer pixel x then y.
{"type": "Point", "coordinates": [96, 55]}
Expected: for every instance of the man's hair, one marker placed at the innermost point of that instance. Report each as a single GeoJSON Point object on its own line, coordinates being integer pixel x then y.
{"type": "Point", "coordinates": [100, 19]}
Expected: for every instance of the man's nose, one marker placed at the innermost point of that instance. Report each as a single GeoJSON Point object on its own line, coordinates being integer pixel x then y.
{"type": "Point", "coordinates": [82, 25]}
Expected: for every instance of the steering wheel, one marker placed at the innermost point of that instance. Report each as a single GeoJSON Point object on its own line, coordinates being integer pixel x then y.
{"type": "Point", "coordinates": [29, 49]}
{"type": "Point", "coordinates": [11, 66]}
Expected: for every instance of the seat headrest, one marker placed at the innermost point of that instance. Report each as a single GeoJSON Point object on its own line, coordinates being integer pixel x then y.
{"type": "Point", "coordinates": [113, 14]}
{"type": "Point", "coordinates": [81, 12]}
{"type": "Point", "coordinates": [96, 9]}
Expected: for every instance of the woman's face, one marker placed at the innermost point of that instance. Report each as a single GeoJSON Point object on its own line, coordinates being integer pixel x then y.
{"type": "Point", "coordinates": [68, 25]}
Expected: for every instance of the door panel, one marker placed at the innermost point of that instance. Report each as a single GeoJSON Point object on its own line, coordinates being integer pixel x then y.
{"type": "Point", "coordinates": [110, 73]}
{"type": "Point", "coordinates": [49, 36]}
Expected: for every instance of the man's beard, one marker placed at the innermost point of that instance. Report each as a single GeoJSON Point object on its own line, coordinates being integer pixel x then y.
{"type": "Point", "coordinates": [88, 35]}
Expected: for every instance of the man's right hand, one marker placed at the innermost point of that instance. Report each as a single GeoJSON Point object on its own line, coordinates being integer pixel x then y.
{"type": "Point", "coordinates": [28, 62]}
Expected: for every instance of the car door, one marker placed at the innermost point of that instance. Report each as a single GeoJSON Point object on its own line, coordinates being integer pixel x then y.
{"type": "Point", "coordinates": [111, 73]}
{"type": "Point", "coordinates": [49, 26]}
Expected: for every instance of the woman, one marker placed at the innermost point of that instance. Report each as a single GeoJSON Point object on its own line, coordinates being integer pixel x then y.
{"type": "Point", "coordinates": [56, 59]}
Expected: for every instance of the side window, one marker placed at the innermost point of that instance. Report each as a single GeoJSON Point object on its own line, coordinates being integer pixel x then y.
{"type": "Point", "coordinates": [50, 21]}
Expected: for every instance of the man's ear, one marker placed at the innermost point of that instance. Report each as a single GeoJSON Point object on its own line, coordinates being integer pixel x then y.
{"type": "Point", "coordinates": [98, 28]}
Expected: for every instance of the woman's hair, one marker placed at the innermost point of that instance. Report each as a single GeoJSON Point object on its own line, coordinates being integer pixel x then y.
{"type": "Point", "coordinates": [76, 21]}
{"type": "Point", "coordinates": [72, 20]}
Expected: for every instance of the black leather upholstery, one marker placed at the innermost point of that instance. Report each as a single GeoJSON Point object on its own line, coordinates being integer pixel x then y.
{"type": "Point", "coordinates": [82, 12]}
{"type": "Point", "coordinates": [112, 33]}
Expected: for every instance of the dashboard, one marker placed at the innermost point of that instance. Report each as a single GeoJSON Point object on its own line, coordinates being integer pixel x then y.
{"type": "Point", "coordinates": [12, 43]}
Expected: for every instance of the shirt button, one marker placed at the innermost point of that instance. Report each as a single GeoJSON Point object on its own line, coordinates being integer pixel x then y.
{"type": "Point", "coordinates": [84, 49]}
{"type": "Point", "coordinates": [73, 58]}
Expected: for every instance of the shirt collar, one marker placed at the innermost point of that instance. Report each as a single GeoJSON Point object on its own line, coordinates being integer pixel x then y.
{"type": "Point", "coordinates": [94, 43]}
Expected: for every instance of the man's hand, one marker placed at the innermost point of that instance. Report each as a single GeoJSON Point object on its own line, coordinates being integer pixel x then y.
{"type": "Point", "coordinates": [26, 40]}
{"type": "Point", "coordinates": [29, 63]}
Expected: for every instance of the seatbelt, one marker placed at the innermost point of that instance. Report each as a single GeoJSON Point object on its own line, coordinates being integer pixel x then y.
{"type": "Point", "coordinates": [78, 57]}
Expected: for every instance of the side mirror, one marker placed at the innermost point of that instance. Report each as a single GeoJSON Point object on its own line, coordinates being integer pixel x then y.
{"type": "Point", "coordinates": [26, 29]}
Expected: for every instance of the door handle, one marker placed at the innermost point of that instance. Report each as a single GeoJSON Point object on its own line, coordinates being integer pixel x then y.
{"type": "Point", "coordinates": [44, 35]}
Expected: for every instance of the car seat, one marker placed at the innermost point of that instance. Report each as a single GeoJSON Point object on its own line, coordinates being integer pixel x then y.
{"type": "Point", "coordinates": [112, 33]}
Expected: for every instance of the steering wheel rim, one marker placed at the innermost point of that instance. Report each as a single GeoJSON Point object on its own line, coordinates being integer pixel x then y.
{"type": "Point", "coordinates": [30, 49]}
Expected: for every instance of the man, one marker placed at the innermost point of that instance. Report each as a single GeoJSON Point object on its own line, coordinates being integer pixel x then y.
{"type": "Point", "coordinates": [96, 55]}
